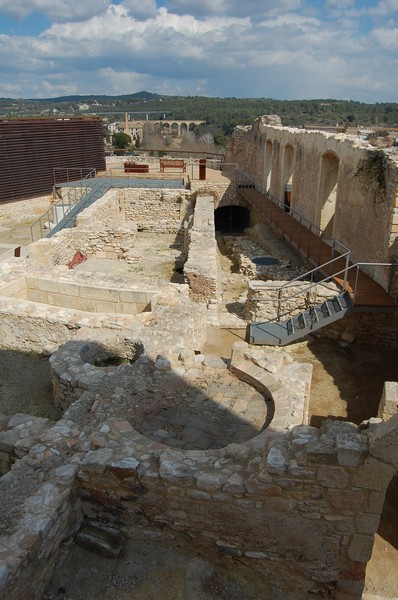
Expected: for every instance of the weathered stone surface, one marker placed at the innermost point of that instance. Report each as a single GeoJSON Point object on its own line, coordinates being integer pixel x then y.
{"type": "Point", "coordinates": [360, 548]}
{"type": "Point", "coordinates": [103, 540]}
{"type": "Point", "coordinates": [176, 473]}
{"type": "Point", "coordinates": [352, 499]}
{"type": "Point", "coordinates": [333, 477]}
{"type": "Point", "coordinates": [350, 449]}
{"type": "Point", "coordinates": [374, 475]}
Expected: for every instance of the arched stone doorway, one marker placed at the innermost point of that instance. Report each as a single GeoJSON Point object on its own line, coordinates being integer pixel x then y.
{"type": "Point", "coordinates": [231, 219]}
{"type": "Point", "coordinates": [287, 177]}
{"type": "Point", "coordinates": [328, 192]}
{"type": "Point", "coordinates": [267, 166]}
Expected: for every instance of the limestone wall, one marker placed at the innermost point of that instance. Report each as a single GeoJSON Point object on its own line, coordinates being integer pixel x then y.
{"type": "Point", "coordinates": [155, 210]}
{"type": "Point", "coordinates": [389, 400]}
{"type": "Point", "coordinates": [104, 212]}
{"type": "Point", "coordinates": [298, 504]}
{"type": "Point", "coordinates": [267, 299]}
{"type": "Point", "coordinates": [201, 267]}
{"type": "Point", "coordinates": [79, 295]}
{"type": "Point", "coordinates": [309, 161]}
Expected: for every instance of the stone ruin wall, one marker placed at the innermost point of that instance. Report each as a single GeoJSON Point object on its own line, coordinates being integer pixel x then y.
{"type": "Point", "coordinates": [297, 503]}
{"type": "Point", "coordinates": [374, 237]}
{"type": "Point", "coordinates": [264, 297]}
{"type": "Point", "coordinates": [201, 267]}
{"type": "Point", "coordinates": [155, 210]}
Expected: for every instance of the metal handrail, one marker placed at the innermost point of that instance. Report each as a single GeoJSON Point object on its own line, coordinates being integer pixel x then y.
{"type": "Point", "coordinates": [65, 202]}
{"type": "Point", "coordinates": [356, 266]}
{"type": "Point", "coordinates": [335, 245]}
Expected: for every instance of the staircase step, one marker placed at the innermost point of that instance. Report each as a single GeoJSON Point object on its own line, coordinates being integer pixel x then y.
{"type": "Point", "coordinates": [290, 328]}
{"type": "Point", "coordinates": [301, 320]}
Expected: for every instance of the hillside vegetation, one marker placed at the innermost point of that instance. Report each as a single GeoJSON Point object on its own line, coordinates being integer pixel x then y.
{"type": "Point", "coordinates": [221, 115]}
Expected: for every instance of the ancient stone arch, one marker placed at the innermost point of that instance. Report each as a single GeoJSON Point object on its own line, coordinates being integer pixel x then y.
{"type": "Point", "coordinates": [267, 166]}
{"type": "Point", "coordinates": [287, 175]}
{"type": "Point", "coordinates": [327, 195]}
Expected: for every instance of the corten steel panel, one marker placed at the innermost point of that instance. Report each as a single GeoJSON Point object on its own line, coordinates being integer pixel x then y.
{"type": "Point", "coordinates": [30, 150]}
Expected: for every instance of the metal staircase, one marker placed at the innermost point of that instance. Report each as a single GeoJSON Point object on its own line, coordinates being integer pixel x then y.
{"type": "Point", "coordinates": [93, 193]}
{"type": "Point", "coordinates": [296, 327]}
{"type": "Point", "coordinates": [84, 192]}
{"type": "Point", "coordinates": [356, 285]}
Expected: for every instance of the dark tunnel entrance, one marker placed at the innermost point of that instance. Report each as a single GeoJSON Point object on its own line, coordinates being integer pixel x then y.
{"type": "Point", "coordinates": [231, 219]}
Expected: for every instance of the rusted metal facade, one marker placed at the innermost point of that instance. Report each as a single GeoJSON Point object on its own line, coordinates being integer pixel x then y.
{"type": "Point", "coordinates": [32, 150]}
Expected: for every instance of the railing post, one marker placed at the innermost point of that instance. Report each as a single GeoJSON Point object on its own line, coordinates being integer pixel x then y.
{"type": "Point", "coordinates": [347, 264]}
{"type": "Point", "coordinates": [356, 283]}
{"type": "Point", "coordinates": [319, 249]}
{"type": "Point", "coordinates": [278, 312]}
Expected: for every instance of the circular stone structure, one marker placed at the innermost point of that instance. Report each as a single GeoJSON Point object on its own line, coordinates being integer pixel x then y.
{"type": "Point", "coordinates": [217, 411]}
{"type": "Point", "coordinates": [199, 407]}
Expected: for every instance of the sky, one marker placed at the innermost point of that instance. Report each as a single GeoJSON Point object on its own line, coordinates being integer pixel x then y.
{"type": "Point", "coordinates": [282, 49]}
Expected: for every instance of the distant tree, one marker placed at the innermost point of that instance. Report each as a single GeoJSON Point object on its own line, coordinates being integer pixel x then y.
{"type": "Point", "coordinates": [121, 140]}
{"type": "Point", "coordinates": [206, 138]}
{"type": "Point", "coordinates": [220, 139]}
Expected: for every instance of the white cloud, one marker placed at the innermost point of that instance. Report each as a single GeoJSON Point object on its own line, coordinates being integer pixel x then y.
{"type": "Point", "coordinates": [55, 10]}
{"type": "Point", "coordinates": [133, 46]}
{"type": "Point", "coordinates": [384, 8]}
{"type": "Point", "coordinates": [387, 38]}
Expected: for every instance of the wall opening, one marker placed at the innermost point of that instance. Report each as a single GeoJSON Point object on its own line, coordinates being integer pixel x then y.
{"type": "Point", "coordinates": [328, 192]}
{"type": "Point", "coordinates": [231, 219]}
{"type": "Point", "coordinates": [287, 176]}
{"type": "Point", "coordinates": [267, 166]}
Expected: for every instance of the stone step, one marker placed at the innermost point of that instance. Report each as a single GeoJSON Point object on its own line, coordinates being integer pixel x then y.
{"type": "Point", "coordinates": [101, 539]}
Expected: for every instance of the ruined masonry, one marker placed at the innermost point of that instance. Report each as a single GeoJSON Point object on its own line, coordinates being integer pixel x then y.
{"type": "Point", "coordinates": [163, 442]}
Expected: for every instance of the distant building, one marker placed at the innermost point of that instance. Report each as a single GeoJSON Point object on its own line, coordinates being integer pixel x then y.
{"type": "Point", "coordinates": [33, 150]}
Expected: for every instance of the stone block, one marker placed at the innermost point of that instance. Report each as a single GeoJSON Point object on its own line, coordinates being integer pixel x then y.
{"type": "Point", "coordinates": [383, 441]}
{"type": "Point", "coordinates": [209, 482]}
{"type": "Point", "coordinates": [104, 306]}
{"type": "Point", "coordinates": [68, 288]}
{"type": "Point", "coordinates": [98, 293]}
{"type": "Point", "coordinates": [101, 539]}
{"type": "Point", "coordinates": [227, 549]}
{"type": "Point", "coordinates": [350, 449]}
{"type": "Point", "coordinates": [61, 300]}
{"type": "Point", "coordinates": [276, 461]}
{"type": "Point", "coordinates": [375, 502]}
{"type": "Point", "coordinates": [353, 499]}
{"type": "Point", "coordinates": [31, 282]}
{"type": "Point", "coordinates": [389, 402]}
{"type": "Point", "coordinates": [48, 285]}
{"type": "Point", "coordinates": [374, 475]}
{"type": "Point", "coordinates": [334, 477]}
{"type": "Point", "coordinates": [319, 452]}
{"type": "Point", "coordinates": [360, 548]}
{"type": "Point", "coordinates": [85, 304]}
{"type": "Point", "coordinates": [177, 473]}
{"type": "Point", "coordinates": [367, 523]}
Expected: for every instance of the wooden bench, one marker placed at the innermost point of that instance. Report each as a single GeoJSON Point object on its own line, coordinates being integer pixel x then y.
{"type": "Point", "coordinates": [135, 168]}
{"type": "Point", "coordinates": [172, 163]}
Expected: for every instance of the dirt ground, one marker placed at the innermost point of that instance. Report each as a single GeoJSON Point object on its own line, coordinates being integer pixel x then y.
{"type": "Point", "coordinates": [347, 384]}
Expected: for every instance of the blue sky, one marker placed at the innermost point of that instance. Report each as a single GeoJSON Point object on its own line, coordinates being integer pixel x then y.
{"type": "Point", "coordinates": [289, 49]}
